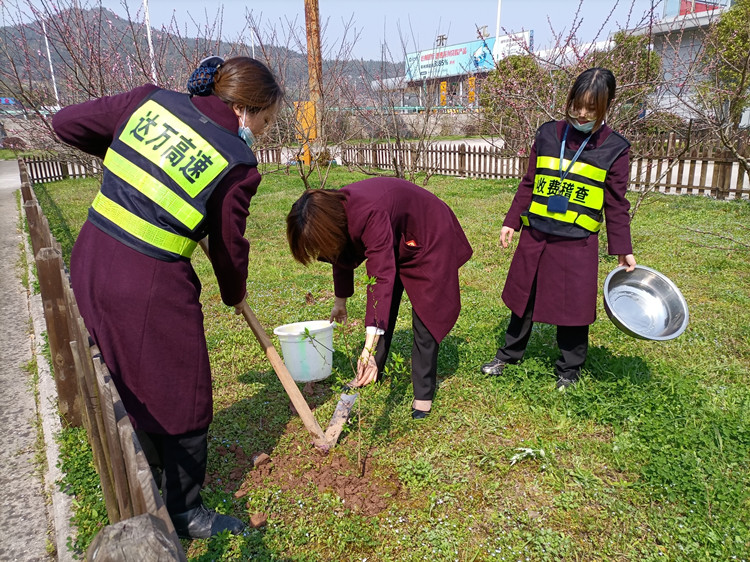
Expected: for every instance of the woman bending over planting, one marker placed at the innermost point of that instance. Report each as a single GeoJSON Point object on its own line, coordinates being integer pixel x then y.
{"type": "Point", "coordinates": [412, 241]}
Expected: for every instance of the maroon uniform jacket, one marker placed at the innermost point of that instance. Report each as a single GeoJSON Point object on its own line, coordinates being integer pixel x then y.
{"type": "Point", "coordinates": [402, 229]}
{"type": "Point", "coordinates": [143, 313]}
{"type": "Point", "coordinates": [566, 269]}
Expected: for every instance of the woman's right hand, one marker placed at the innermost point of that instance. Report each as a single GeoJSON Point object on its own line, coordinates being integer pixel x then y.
{"type": "Point", "coordinates": [506, 236]}
{"type": "Point", "coordinates": [338, 313]}
{"type": "Point", "coordinates": [367, 367]}
{"type": "Point", "coordinates": [367, 370]}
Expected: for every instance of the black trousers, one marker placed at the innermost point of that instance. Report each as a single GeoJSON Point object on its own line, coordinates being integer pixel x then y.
{"type": "Point", "coordinates": [573, 342]}
{"type": "Point", "coordinates": [178, 464]}
{"type": "Point", "coordinates": [424, 351]}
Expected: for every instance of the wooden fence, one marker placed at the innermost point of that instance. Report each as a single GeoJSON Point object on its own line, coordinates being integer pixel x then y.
{"type": "Point", "coordinates": [668, 166]}
{"type": "Point", "coordinates": [442, 159]}
{"type": "Point", "coordinates": [86, 393]}
{"type": "Point", "coordinates": [697, 171]}
{"type": "Point", "coordinates": [46, 169]}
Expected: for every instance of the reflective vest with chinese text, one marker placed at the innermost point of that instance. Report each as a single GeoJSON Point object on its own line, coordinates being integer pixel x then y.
{"type": "Point", "coordinates": [583, 186]}
{"type": "Point", "coordinates": [159, 173]}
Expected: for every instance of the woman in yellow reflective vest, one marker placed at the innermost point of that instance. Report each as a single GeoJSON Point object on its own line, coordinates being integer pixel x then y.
{"type": "Point", "coordinates": [577, 179]}
{"type": "Point", "coordinates": [177, 168]}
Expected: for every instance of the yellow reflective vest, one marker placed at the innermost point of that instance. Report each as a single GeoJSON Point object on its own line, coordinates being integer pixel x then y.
{"type": "Point", "coordinates": [583, 186]}
{"type": "Point", "coordinates": [159, 173]}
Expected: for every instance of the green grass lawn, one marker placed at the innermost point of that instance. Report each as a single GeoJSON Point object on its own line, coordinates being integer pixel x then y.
{"type": "Point", "coordinates": [647, 458]}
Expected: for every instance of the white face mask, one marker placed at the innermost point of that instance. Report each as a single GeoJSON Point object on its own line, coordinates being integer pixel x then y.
{"type": "Point", "coordinates": [245, 133]}
{"type": "Point", "coordinates": [585, 128]}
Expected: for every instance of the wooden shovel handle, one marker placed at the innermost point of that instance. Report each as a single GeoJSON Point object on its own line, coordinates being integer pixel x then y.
{"type": "Point", "coordinates": [283, 373]}
{"type": "Point", "coordinates": [278, 366]}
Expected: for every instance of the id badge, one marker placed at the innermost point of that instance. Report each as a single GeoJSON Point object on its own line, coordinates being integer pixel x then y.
{"type": "Point", "coordinates": [557, 204]}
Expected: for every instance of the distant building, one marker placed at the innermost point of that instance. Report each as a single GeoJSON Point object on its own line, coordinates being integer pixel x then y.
{"type": "Point", "coordinates": [678, 39]}
{"type": "Point", "coordinates": [449, 76]}
{"type": "Point", "coordinates": [10, 107]}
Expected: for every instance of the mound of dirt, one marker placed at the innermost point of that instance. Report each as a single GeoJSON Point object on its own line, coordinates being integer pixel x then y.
{"type": "Point", "coordinates": [362, 493]}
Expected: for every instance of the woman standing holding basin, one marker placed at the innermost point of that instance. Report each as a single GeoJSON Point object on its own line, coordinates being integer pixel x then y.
{"type": "Point", "coordinates": [412, 241]}
{"type": "Point", "coordinates": [577, 179]}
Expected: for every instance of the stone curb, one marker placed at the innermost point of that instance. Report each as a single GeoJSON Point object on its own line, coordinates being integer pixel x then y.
{"type": "Point", "coordinates": [60, 508]}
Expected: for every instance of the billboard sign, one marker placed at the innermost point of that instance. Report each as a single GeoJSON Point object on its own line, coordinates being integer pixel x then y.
{"type": "Point", "coordinates": [513, 44]}
{"type": "Point", "coordinates": [455, 60]}
{"type": "Point", "coordinates": [466, 58]}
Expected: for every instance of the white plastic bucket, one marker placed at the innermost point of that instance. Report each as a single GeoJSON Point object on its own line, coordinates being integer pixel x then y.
{"type": "Point", "coordinates": [308, 356]}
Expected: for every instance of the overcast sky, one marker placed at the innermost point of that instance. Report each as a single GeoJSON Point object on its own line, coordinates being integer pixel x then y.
{"type": "Point", "coordinates": [418, 21]}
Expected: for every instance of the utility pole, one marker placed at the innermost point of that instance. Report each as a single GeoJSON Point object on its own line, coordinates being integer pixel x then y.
{"type": "Point", "coordinates": [314, 62]}
{"type": "Point", "coordinates": [51, 68]}
{"type": "Point", "coordinates": [150, 43]}
{"type": "Point", "coordinates": [497, 25]}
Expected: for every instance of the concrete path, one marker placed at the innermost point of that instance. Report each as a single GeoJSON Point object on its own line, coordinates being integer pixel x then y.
{"type": "Point", "coordinates": [29, 512]}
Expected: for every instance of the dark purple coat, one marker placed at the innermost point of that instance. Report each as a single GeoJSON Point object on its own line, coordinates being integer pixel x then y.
{"type": "Point", "coordinates": [385, 214]}
{"type": "Point", "coordinates": [566, 269]}
{"type": "Point", "coordinates": [143, 313]}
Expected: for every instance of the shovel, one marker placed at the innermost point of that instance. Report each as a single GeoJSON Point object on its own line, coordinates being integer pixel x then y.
{"type": "Point", "coordinates": [323, 441]}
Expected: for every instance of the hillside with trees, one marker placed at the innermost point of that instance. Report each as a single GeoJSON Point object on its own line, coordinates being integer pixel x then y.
{"type": "Point", "coordinates": [95, 52]}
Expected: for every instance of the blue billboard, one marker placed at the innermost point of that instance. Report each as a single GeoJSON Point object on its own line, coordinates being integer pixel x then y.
{"type": "Point", "coordinates": [456, 60]}
{"type": "Point", "coordinates": [466, 58]}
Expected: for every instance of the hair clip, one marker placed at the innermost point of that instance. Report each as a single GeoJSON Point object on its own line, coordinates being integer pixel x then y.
{"type": "Point", "coordinates": [201, 81]}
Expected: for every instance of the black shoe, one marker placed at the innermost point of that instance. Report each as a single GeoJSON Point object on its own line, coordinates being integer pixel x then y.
{"type": "Point", "coordinates": [563, 383]}
{"type": "Point", "coordinates": [494, 367]}
{"type": "Point", "coordinates": [419, 414]}
{"type": "Point", "coordinates": [202, 523]}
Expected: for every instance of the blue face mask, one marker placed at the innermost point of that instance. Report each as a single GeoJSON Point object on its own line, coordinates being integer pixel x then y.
{"type": "Point", "coordinates": [585, 128]}
{"type": "Point", "coordinates": [245, 133]}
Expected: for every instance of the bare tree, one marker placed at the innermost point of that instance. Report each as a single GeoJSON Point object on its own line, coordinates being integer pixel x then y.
{"type": "Point", "coordinates": [93, 52]}
{"type": "Point", "coordinates": [399, 137]}
{"type": "Point", "coordinates": [720, 92]}
{"type": "Point", "coordinates": [528, 89]}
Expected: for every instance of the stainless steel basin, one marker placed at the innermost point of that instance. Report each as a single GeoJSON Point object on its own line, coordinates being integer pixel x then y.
{"type": "Point", "coordinates": [645, 304]}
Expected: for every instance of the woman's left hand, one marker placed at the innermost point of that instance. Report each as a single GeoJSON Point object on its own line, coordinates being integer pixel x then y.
{"type": "Point", "coordinates": [238, 307]}
{"type": "Point", "coordinates": [626, 260]}
{"type": "Point", "coordinates": [338, 313]}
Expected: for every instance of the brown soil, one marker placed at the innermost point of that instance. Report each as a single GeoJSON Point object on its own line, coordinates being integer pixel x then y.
{"type": "Point", "coordinates": [363, 493]}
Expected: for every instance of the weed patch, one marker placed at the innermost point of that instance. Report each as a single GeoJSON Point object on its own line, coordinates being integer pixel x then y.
{"type": "Point", "coordinates": [81, 482]}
